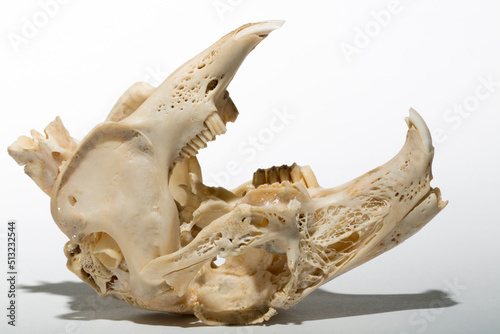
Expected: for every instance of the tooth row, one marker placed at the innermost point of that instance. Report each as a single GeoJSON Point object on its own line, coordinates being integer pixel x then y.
{"type": "Point", "coordinates": [292, 174]}
{"type": "Point", "coordinates": [213, 126]}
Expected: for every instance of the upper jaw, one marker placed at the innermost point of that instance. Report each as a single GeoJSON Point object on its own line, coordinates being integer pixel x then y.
{"type": "Point", "coordinates": [222, 60]}
{"type": "Point", "coordinates": [196, 96]}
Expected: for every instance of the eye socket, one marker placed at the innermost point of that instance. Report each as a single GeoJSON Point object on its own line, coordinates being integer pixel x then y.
{"type": "Point", "coordinates": [211, 85]}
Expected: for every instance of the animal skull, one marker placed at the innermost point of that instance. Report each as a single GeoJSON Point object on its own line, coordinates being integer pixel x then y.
{"type": "Point", "coordinates": [143, 227]}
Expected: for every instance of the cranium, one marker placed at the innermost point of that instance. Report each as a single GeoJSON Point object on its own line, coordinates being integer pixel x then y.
{"type": "Point", "coordinates": [143, 227]}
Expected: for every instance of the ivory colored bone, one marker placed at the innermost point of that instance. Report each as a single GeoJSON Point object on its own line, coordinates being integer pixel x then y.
{"type": "Point", "coordinates": [143, 227]}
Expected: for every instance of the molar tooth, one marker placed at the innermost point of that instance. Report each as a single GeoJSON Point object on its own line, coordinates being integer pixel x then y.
{"type": "Point", "coordinates": [189, 150]}
{"type": "Point", "coordinates": [295, 173]}
{"type": "Point", "coordinates": [198, 143]}
{"type": "Point", "coordinates": [203, 139]}
{"type": "Point", "coordinates": [193, 146]}
{"type": "Point", "coordinates": [207, 135]}
{"type": "Point", "coordinates": [309, 177]}
{"type": "Point", "coordinates": [284, 173]}
{"type": "Point", "coordinates": [183, 154]}
{"type": "Point", "coordinates": [215, 124]}
{"type": "Point", "coordinates": [259, 177]}
{"type": "Point", "coordinates": [272, 175]}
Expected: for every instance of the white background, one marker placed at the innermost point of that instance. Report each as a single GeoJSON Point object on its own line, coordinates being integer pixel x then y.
{"type": "Point", "coordinates": [347, 118]}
